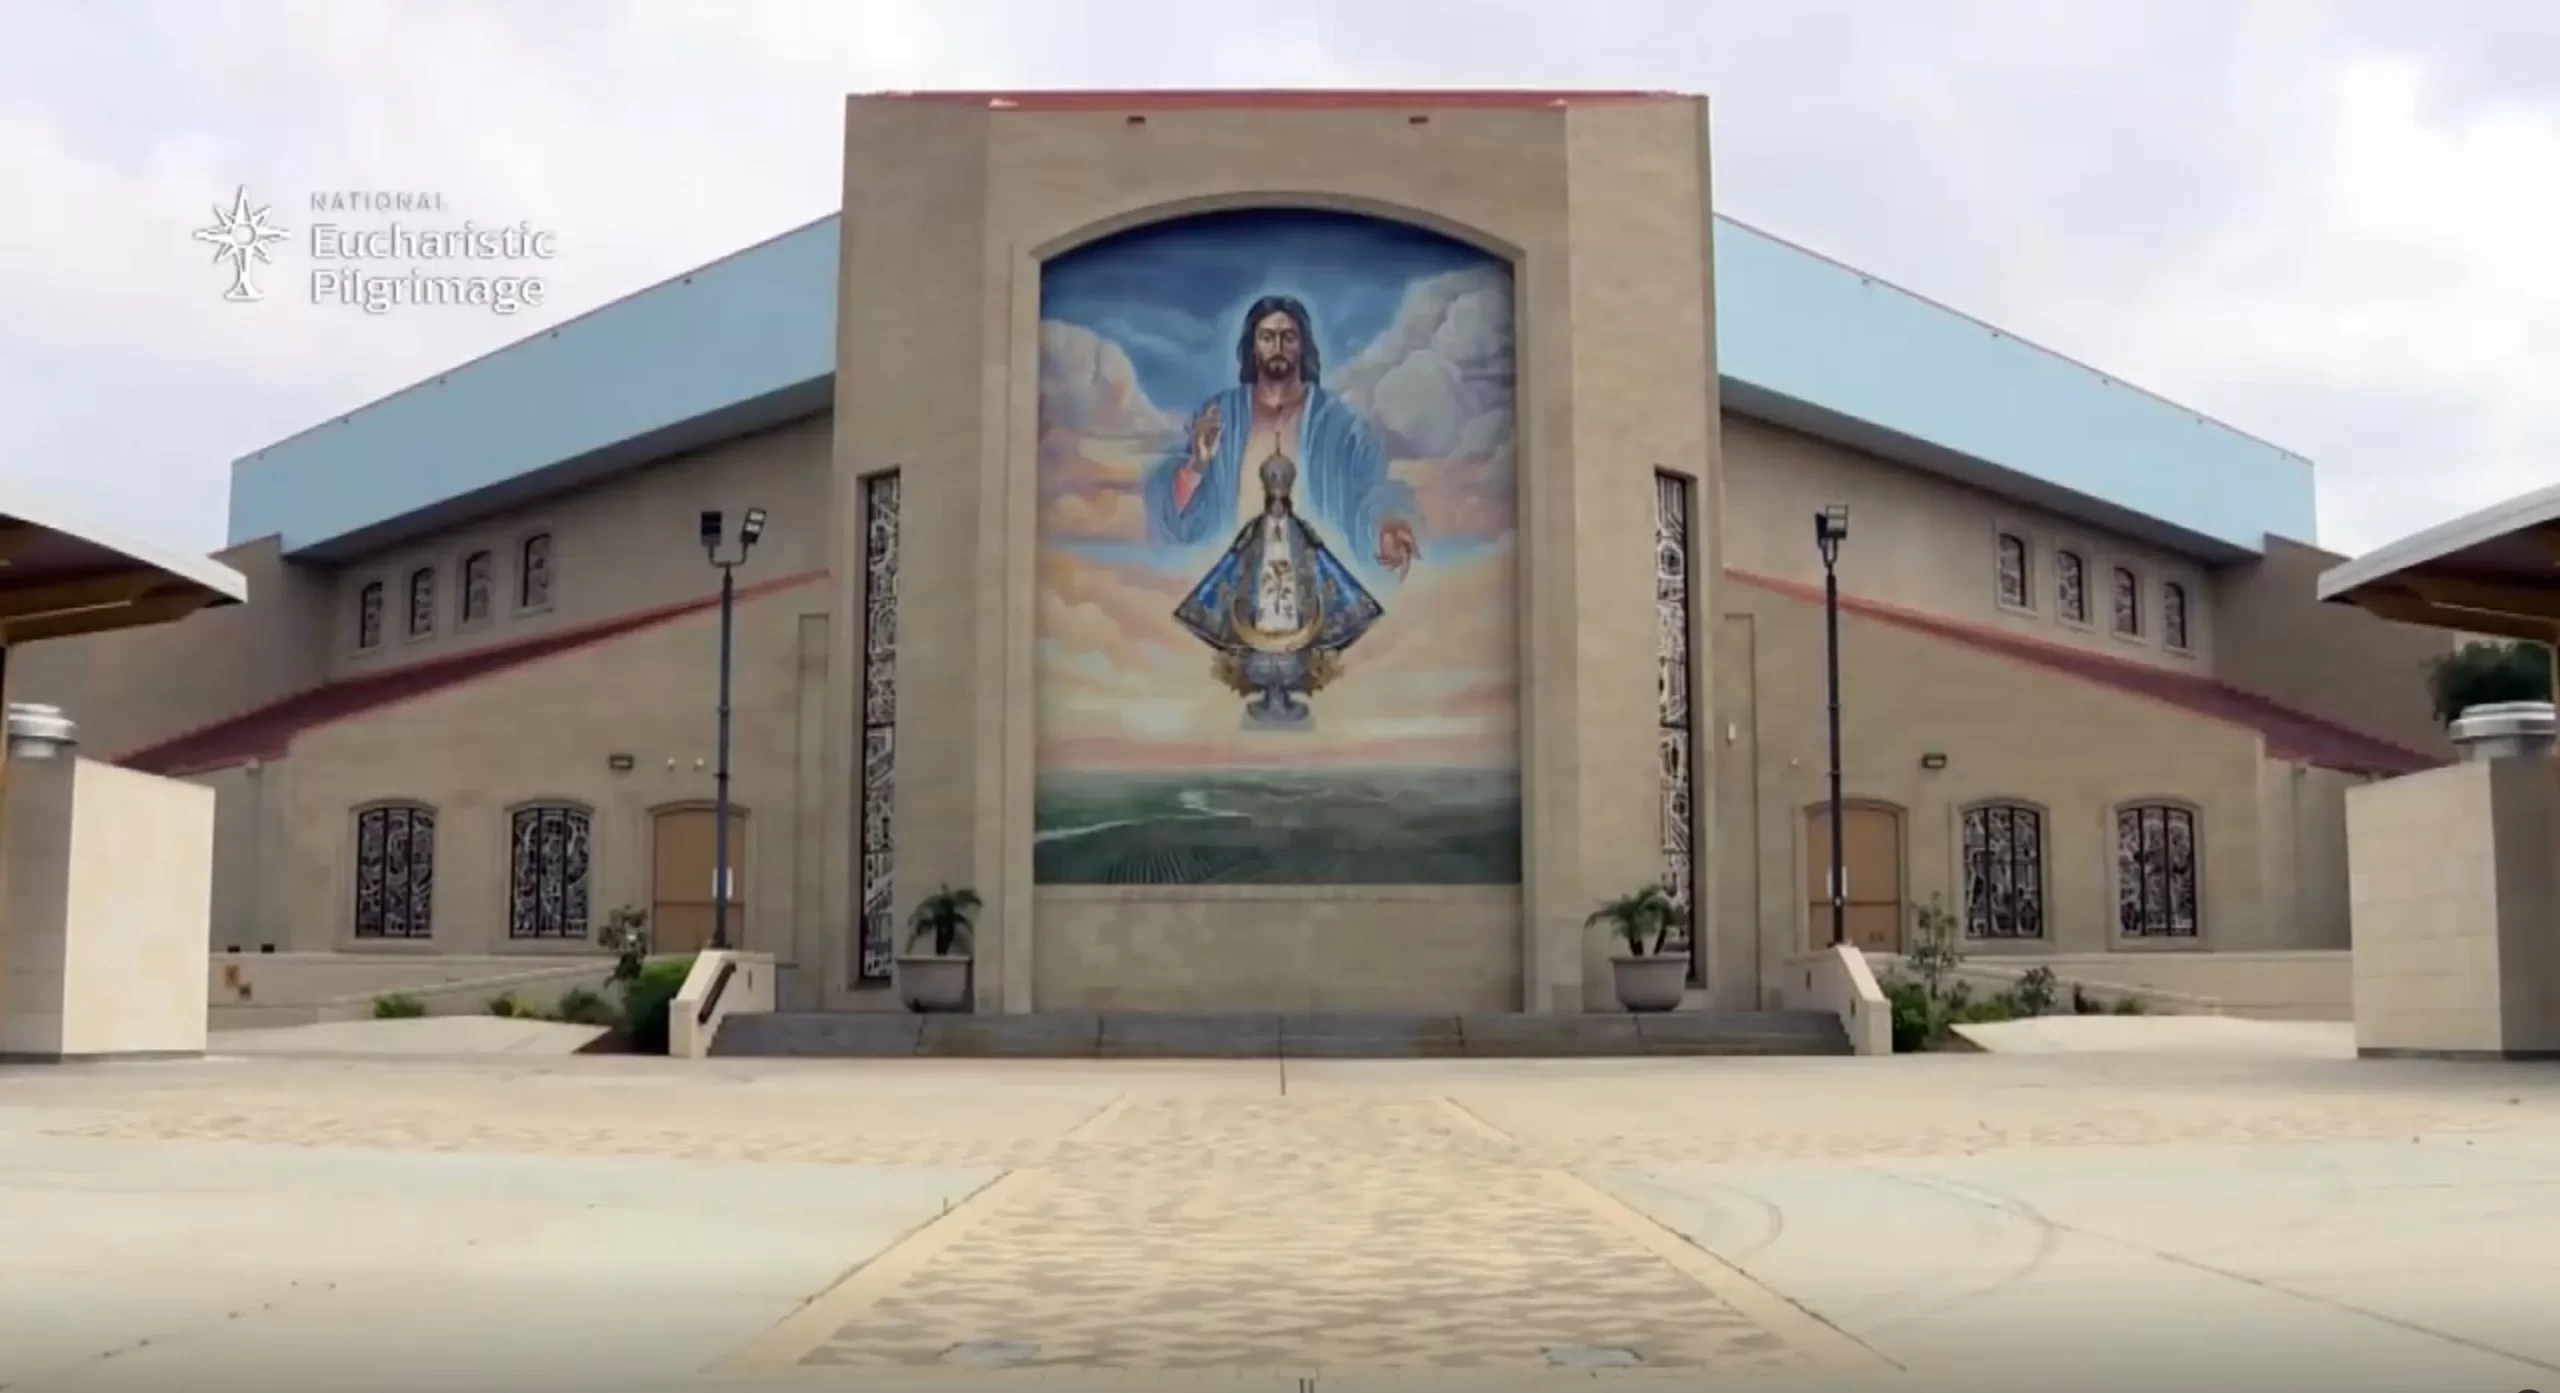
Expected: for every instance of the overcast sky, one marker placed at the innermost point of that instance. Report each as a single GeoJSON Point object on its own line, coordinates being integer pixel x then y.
{"type": "Point", "coordinates": [2332, 223]}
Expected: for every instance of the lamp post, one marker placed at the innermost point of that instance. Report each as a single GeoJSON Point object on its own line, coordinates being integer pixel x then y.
{"type": "Point", "coordinates": [714, 545]}
{"type": "Point", "coordinates": [1830, 529]}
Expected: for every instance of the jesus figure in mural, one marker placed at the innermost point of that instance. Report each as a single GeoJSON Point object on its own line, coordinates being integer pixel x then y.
{"type": "Point", "coordinates": [1279, 408]}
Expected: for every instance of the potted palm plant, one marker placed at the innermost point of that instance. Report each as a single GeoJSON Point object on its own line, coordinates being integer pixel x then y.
{"type": "Point", "coordinates": [1647, 977]}
{"type": "Point", "coordinates": [939, 980]}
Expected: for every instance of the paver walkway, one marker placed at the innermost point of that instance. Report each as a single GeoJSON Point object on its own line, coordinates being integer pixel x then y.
{"type": "Point", "coordinates": [585, 1222]}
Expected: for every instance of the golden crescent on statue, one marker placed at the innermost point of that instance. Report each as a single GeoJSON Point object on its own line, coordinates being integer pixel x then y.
{"type": "Point", "coordinates": [1268, 641]}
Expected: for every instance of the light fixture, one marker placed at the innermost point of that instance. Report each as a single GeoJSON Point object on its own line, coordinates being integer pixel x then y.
{"type": "Point", "coordinates": [1933, 760]}
{"type": "Point", "coordinates": [713, 524]}
{"type": "Point", "coordinates": [751, 527]}
{"type": "Point", "coordinates": [1830, 529]}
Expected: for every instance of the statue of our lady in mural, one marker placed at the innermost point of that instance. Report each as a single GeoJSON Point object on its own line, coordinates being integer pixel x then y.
{"type": "Point", "coordinates": [1278, 608]}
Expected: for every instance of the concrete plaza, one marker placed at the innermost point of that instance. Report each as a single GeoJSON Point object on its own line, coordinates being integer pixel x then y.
{"type": "Point", "coordinates": [278, 1223]}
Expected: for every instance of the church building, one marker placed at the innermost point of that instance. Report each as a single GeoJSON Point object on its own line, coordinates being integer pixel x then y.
{"type": "Point", "coordinates": [1284, 551]}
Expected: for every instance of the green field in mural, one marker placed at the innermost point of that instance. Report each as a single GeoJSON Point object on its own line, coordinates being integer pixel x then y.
{"type": "Point", "coordinates": [1274, 827]}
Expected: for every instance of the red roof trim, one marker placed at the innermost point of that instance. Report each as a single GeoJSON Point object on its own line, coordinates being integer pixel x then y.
{"type": "Point", "coordinates": [2289, 734]}
{"type": "Point", "coordinates": [265, 732]}
{"type": "Point", "coordinates": [1281, 99]}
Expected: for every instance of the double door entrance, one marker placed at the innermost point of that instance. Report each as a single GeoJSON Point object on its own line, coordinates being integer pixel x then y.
{"type": "Point", "coordinates": [1871, 853]}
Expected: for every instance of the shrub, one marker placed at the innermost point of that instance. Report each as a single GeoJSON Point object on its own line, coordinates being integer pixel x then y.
{"type": "Point", "coordinates": [2479, 673]}
{"type": "Point", "coordinates": [645, 999]}
{"type": "Point", "coordinates": [398, 1006]}
{"type": "Point", "coordinates": [2131, 1006]}
{"type": "Point", "coordinates": [1915, 1022]}
{"type": "Point", "coordinates": [2083, 1004]}
{"type": "Point", "coordinates": [579, 1006]}
{"type": "Point", "coordinates": [507, 1006]}
{"type": "Point", "coordinates": [2035, 991]}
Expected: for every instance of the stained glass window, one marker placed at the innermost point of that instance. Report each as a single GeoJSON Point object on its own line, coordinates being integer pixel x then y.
{"type": "Point", "coordinates": [2003, 871]}
{"type": "Point", "coordinates": [422, 601]}
{"type": "Point", "coordinates": [2013, 570]}
{"type": "Point", "coordinates": [479, 586]}
{"type": "Point", "coordinates": [878, 932]}
{"type": "Point", "coordinates": [395, 872]}
{"type": "Point", "coordinates": [369, 615]}
{"type": "Point", "coordinates": [533, 574]}
{"type": "Point", "coordinates": [2128, 615]}
{"type": "Point", "coordinates": [2071, 586]}
{"type": "Point", "coordinates": [2156, 871]}
{"type": "Point", "coordinates": [1675, 677]}
{"type": "Point", "coordinates": [2173, 615]}
{"type": "Point", "coordinates": [548, 863]}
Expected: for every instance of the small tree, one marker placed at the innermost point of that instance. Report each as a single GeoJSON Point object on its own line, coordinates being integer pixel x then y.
{"type": "Point", "coordinates": [1642, 920]}
{"type": "Point", "coordinates": [626, 935]}
{"type": "Point", "coordinates": [948, 917]}
{"type": "Point", "coordinates": [1936, 946]}
{"type": "Point", "coordinates": [2477, 674]}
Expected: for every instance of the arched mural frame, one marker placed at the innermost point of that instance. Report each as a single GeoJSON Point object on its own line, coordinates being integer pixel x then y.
{"type": "Point", "coordinates": [1012, 907]}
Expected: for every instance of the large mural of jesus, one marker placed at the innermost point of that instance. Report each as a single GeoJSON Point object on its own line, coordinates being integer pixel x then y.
{"type": "Point", "coordinates": [1276, 640]}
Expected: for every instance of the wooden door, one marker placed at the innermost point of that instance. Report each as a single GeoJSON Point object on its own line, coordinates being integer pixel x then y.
{"type": "Point", "coordinates": [1871, 849]}
{"type": "Point", "coordinates": [683, 856]}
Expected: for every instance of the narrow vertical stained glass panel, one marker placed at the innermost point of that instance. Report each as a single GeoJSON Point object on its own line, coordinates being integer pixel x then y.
{"type": "Point", "coordinates": [395, 872]}
{"type": "Point", "coordinates": [2128, 602]}
{"type": "Point", "coordinates": [2003, 871]}
{"type": "Point", "coordinates": [478, 586]}
{"type": "Point", "coordinates": [1675, 685]}
{"type": "Point", "coordinates": [2173, 615]}
{"type": "Point", "coordinates": [2013, 578]}
{"type": "Point", "coordinates": [877, 945]}
{"type": "Point", "coordinates": [2071, 586]}
{"type": "Point", "coordinates": [2156, 892]}
{"type": "Point", "coordinates": [549, 863]}
{"type": "Point", "coordinates": [533, 572]}
{"type": "Point", "coordinates": [369, 615]}
{"type": "Point", "coordinates": [422, 601]}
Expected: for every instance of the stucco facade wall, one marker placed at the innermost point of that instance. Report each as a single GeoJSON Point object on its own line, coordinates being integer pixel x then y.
{"type": "Point", "coordinates": [2009, 733]}
{"type": "Point", "coordinates": [547, 733]}
{"type": "Point", "coordinates": [951, 209]}
{"type": "Point", "coordinates": [1930, 544]}
{"type": "Point", "coordinates": [628, 543]}
{"type": "Point", "coordinates": [2335, 661]}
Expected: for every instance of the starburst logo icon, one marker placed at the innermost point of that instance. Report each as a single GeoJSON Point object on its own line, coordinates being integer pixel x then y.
{"type": "Point", "coordinates": [240, 235]}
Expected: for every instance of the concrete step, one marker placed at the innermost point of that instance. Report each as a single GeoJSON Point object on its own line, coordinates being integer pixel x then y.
{"type": "Point", "coordinates": [1087, 1035]}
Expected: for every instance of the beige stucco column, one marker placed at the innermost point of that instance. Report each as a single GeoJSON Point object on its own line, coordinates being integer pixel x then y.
{"type": "Point", "coordinates": [106, 895]}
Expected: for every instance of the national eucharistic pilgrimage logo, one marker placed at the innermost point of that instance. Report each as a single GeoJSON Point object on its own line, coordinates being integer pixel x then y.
{"type": "Point", "coordinates": [368, 254]}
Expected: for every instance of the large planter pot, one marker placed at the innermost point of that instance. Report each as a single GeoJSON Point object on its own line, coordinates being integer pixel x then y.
{"type": "Point", "coordinates": [934, 984]}
{"type": "Point", "coordinates": [1654, 983]}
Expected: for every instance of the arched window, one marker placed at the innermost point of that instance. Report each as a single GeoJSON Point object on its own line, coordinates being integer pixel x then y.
{"type": "Point", "coordinates": [2003, 871]}
{"type": "Point", "coordinates": [369, 615]}
{"type": "Point", "coordinates": [547, 868]}
{"type": "Point", "coordinates": [2156, 894]}
{"type": "Point", "coordinates": [2173, 615]}
{"type": "Point", "coordinates": [422, 601]}
{"type": "Point", "coordinates": [2071, 586]}
{"type": "Point", "coordinates": [2128, 598]}
{"type": "Point", "coordinates": [533, 573]}
{"type": "Point", "coordinates": [395, 871]}
{"type": "Point", "coordinates": [2013, 579]}
{"type": "Point", "coordinates": [479, 586]}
